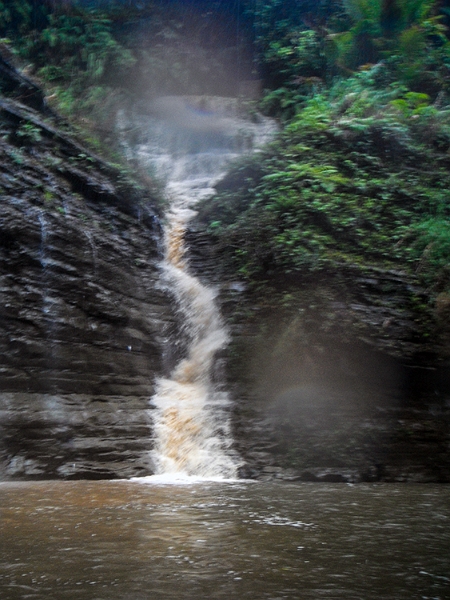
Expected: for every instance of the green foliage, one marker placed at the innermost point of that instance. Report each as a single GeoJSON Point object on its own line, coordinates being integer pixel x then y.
{"type": "Point", "coordinates": [15, 14]}
{"type": "Point", "coordinates": [358, 176]}
{"type": "Point", "coordinates": [358, 10]}
{"type": "Point", "coordinates": [292, 54]}
{"type": "Point", "coordinates": [300, 63]}
{"type": "Point", "coordinates": [411, 104]}
{"type": "Point", "coordinates": [76, 53]}
{"type": "Point", "coordinates": [74, 50]}
{"type": "Point", "coordinates": [430, 250]}
{"type": "Point", "coordinates": [17, 155]}
{"type": "Point", "coordinates": [81, 46]}
{"type": "Point", "coordinates": [408, 34]}
{"type": "Point", "coordinates": [301, 53]}
{"type": "Point", "coordinates": [29, 133]}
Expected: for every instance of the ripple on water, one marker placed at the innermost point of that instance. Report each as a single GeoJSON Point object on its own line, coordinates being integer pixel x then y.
{"type": "Point", "coordinates": [127, 541]}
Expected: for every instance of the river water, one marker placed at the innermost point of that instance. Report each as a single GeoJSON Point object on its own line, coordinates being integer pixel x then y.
{"type": "Point", "coordinates": [141, 540]}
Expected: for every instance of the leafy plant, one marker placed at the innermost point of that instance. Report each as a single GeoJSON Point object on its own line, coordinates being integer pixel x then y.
{"type": "Point", "coordinates": [356, 176]}
{"type": "Point", "coordinates": [408, 34]}
{"type": "Point", "coordinates": [430, 249]}
{"type": "Point", "coordinates": [29, 133]}
{"type": "Point", "coordinates": [15, 14]}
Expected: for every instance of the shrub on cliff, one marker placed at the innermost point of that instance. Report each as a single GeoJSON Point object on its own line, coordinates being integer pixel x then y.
{"type": "Point", "coordinates": [302, 48]}
{"type": "Point", "coordinates": [359, 175]}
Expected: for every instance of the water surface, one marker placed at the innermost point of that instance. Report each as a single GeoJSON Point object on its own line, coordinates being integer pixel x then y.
{"type": "Point", "coordinates": [132, 541]}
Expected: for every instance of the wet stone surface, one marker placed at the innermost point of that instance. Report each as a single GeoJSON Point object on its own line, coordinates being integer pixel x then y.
{"type": "Point", "coordinates": [84, 319]}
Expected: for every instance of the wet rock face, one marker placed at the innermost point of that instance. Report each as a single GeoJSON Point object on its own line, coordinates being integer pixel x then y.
{"type": "Point", "coordinates": [80, 302]}
{"type": "Point", "coordinates": [335, 410]}
{"type": "Point", "coordinates": [343, 386]}
{"type": "Point", "coordinates": [72, 436]}
{"type": "Point", "coordinates": [83, 315]}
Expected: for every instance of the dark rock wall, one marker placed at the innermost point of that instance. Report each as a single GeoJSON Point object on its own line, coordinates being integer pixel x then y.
{"type": "Point", "coordinates": [348, 380]}
{"type": "Point", "coordinates": [84, 319]}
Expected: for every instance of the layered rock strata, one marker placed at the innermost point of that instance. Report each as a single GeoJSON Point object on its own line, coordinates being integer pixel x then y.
{"type": "Point", "coordinates": [83, 318]}
{"type": "Point", "coordinates": [348, 382]}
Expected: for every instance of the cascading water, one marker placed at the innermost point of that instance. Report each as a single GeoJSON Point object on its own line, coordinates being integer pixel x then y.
{"type": "Point", "coordinates": [191, 427]}
{"type": "Point", "coordinates": [190, 146]}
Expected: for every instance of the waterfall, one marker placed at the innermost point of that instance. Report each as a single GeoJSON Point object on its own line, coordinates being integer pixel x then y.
{"type": "Point", "coordinates": [191, 425]}
{"type": "Point", "coordinates": [189, 143]}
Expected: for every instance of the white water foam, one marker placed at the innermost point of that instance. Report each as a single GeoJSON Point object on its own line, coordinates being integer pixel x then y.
{"type": "Point", "coordinates": [182, 479]}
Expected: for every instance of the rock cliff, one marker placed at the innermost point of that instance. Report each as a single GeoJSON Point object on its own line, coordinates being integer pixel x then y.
{"type": "Point", "coordinates": [338, 376]}
{"type": "Point", "coordinates": [83, 315]}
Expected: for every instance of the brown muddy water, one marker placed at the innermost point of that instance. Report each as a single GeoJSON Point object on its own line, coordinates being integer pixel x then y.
{"type": "Point", "coordinates": [130, 540]}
